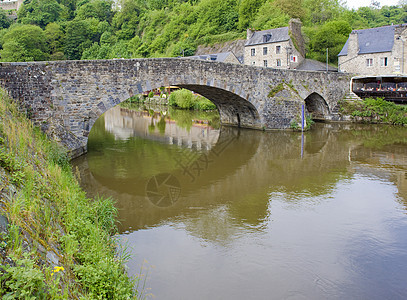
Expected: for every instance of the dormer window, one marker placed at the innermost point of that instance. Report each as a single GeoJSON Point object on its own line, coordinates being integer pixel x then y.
{"type": "Point", "coordinates": [266, 38]}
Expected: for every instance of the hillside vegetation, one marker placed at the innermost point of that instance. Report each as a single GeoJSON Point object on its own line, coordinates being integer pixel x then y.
{"type": "Point", "coordinates": [103, 29]}
{"type": "Point", "coordinates": [55, 243]}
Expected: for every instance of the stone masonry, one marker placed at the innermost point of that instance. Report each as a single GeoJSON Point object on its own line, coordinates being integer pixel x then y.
{"type": "Point", "coordinates": [65, 98]}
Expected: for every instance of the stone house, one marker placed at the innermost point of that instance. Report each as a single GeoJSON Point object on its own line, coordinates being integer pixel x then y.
{"type": "Point", "coordinates": [11, 4]}
{"type": "Point", "coordinates": [279, 48]}
{"type": "Point", "coordinates": [375, 51]}
{"type": "Point", "coordinates": [226, 57]}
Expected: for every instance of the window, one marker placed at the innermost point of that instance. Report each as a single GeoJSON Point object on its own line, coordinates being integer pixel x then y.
{"type": "Point", "coordinates": [265, 63]}
{"type": "Point", "coordinates": [278, 63]}
{"type": "Point", "coordinates": [264, 50]}
{"type": "Point", "coordinates": [383, 62]}
{"type": "Point", "coordinates": [369, 62]}
{"type": "Point", "coordinates": [253, 52]}
{"type": "Point", "coordinates": [293, 58]}
{"type": "Point", "coordinates": [266, 38]}
{"type": "Point", "coordinates": [278, 49]}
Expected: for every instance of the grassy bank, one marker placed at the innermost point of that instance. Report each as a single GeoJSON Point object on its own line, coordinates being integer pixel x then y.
{"type": "Point", "coordinates": [181, 98]}
{"type": "Point", "coordinates": [372, 110]}
{"type": "Point", "coordinates": [55, 243]}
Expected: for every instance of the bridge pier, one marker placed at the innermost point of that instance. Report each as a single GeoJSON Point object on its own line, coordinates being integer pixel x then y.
{"type": "Point", "coordinates": [65, 98]}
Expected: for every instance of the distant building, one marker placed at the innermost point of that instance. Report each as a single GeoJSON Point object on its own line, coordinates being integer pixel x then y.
{"type": "Point", "coordinates": [280, 48]}
{"type": "Point", "coordinates": [375, 51]}
{"type": "Point", "coordinates": [227, 57]}
{"type": "Point", "coordinates": [11, 4]}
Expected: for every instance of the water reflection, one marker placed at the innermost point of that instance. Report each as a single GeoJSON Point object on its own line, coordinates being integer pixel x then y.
{"type": "Point", "coordinates": [259, 213]}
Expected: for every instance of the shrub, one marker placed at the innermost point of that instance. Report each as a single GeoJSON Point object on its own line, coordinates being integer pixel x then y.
{"type": "Point", "coordinates": [183, 98]}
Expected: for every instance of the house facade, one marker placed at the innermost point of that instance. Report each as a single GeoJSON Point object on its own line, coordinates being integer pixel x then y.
{"type": "Point", "coordinates": [279, 48]}
{"type": "Point", "coordinates": [375, 51]}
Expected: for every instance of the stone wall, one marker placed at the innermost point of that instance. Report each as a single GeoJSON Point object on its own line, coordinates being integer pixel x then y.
{"type": "Point", "coordinates": [10, 5]}
{"type": "Point", "coordinates": [67, 97]}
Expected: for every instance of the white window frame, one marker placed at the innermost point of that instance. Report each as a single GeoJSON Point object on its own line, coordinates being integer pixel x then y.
{"type": "Point", "coordinates": [384, 61]}
{"type": "Point", "coordinates": [265, 50]}
{"type": "Point", "coordinates": [265, 63]}
{"type": "Point", "coordinates": [369, 62]}
{"type": "Point", "coordinates": [278, 49]}
{"type": "Point", "coordinates": [278, 62]}
{"type": "Point", "coordinates": [253, 52]}
{"type": "Point", "coordinates": [293, 58]}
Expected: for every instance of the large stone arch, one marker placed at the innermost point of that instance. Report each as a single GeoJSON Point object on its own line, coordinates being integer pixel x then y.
{"type": "Point", "coordinates": [316, 105]}
{"type": "Point", "coordinates": [233, 109]}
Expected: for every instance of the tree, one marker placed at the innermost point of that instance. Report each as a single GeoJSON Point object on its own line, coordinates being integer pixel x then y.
{"type": "Point", "coordinates": [269, 17]}
{"type": "Point", "coordinates": [98, 9]}
{"type": "Point", "coordinates": [331, 35]}
{"type": "Point", "coordinates": [76, 33]}
{"type": "Point", "coordinates": [42, 12]}
{"type": "Point", "coordinates": [320, 11]}
{"type": "Point", "coordinates": [293, 8]}
{"type": "Point", "coordinates": [247, 12]}
{"type": "Point", "coordinates": [54, 36]}
{"type": "Point", "coordinates": [24, 43]}
{"type": "Point", "coordinates": [5, 21]}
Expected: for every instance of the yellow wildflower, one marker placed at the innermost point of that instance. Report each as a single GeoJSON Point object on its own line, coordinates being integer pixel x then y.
{"type": "Point", "coordinates": [57, 269]}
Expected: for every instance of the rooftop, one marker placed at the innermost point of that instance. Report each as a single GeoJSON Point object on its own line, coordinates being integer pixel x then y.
{"type": "Point", "coordinates": [373, 40]}
{"type": "Point", "coordinates": [268, 36]}
{"type": "Point", "coordinates": [220, 57]}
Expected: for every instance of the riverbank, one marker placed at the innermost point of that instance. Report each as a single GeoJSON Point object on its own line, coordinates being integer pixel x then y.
{"type": "Point", "coordinates": [55, 243]}
{"type": "Point", "coordinates": [375, 111]}
{"type": "Point", "coordinates": [182, 98]}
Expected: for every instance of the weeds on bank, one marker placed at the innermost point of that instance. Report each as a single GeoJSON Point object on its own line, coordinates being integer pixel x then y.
{"type": "Point", "coordinates": [296, 124]}
{"type": "Point", "coordinates": [376, 110]}
{"type": "Point", "coordinates": [46, 209]}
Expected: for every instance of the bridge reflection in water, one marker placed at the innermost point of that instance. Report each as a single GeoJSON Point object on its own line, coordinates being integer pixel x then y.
{"type": "Point", "coordinates": [255, 217]}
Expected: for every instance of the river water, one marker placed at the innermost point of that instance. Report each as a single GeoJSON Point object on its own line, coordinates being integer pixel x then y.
{"type": "Point", "coordinates": [210, 212]}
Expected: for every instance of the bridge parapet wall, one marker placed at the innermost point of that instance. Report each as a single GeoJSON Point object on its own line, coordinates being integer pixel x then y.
{"type": "Point", "coordinates": [67, 97]}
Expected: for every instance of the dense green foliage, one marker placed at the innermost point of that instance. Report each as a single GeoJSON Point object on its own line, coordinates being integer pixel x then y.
{"type": "Point", "coordinates": [46, 209]}
{"type": "Point", "coordinates": [372, 110]}
{"type": "Point", "coordinates": [186, 100]}
{"type": "Point", "coordinates": [103, 29]}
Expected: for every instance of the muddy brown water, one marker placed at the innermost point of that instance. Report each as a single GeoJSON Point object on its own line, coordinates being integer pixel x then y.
{"type": "Point", "coordinates": [210, 212]}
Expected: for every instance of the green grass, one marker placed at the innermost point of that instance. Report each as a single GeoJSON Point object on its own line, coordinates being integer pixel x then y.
{"type": "Point", "coordinates": [47, 209]}
{"type": "Point", "coordinates": [376, 110]}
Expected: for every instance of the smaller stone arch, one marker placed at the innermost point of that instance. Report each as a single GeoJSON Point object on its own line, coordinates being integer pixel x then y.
{"type": "Point", "coordinates": [316, 106]}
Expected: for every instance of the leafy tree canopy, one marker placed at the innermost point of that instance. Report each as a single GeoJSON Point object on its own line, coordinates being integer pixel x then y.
{"type": "Point", "coordinates": [91, 29]}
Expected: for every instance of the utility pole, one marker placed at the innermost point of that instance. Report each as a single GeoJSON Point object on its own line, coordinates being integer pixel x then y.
{"type": "Point", "coordinates": [327, 60]}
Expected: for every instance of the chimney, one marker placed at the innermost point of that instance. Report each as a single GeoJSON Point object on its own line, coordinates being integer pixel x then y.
{"type": "Point", "coordinates": [250, 33]}
{"type": "Point", "coordinates": [294, 28]}
{"type": "Point", "coordinates": [353, 44]}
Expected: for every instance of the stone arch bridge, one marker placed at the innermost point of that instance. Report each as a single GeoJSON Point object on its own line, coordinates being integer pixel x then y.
{"type": "Point", "coordinates": [66, 97]}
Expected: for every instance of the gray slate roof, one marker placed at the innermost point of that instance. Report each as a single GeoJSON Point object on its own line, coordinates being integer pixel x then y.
{"type": "Point", "coordinates": [373, 40]}
{"type": "Point", "coordinates": [277, 35]}
{"type": "Point", "coordinates": [213, 57]}
{"type": "Point", "coordinates": [314, 65]}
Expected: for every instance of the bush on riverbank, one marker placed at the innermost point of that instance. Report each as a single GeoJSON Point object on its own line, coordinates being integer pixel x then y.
{"type": "Point", "coordinates": [55, 243]}
{"type": "Point", "coordinates": [375, 110]}
{"type": "Point", "coordinates": [186, 100]}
